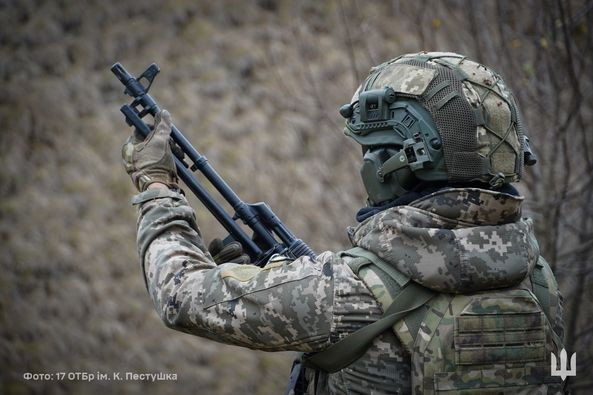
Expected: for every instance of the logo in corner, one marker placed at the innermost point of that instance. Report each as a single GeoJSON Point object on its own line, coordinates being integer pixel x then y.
{"type": "Point", "coordinates": [564, 370]}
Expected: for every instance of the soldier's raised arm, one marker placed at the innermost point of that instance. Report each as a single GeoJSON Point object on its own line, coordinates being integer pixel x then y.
{"type": "Point", "coordinates": [286, 305]}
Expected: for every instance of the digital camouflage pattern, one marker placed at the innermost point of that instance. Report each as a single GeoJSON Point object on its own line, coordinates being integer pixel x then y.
{"type": "Point", "coordinates": [443, 249]}
{"type": "Point", "coordinates": [479, 342]}
{"type": "Point", "coordinates": [455, 238]}
{"type": "Point", "coordinates": [302, 305]}
{"type": "Point", "coordinates": [403, 78]}
{"type": "Point", "coordinates": [475, 113]}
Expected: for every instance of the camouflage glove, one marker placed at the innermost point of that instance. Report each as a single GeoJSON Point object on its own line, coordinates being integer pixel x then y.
{"type": "Point", "coordinates": [232, 252]}
{"type": "Point", "coordinates": [151, 160]}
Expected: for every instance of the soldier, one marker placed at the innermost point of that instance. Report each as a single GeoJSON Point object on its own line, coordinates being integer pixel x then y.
{"type": "Point", "coordinates": [444, 289]}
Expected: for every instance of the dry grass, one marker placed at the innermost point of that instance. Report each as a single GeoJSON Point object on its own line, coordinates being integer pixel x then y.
{"type": "Point", "coordinates": [255, 85]}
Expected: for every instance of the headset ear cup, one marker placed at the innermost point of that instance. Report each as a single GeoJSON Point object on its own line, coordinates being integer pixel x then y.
{"type": "Point", "coordinates": [383, 188]}
{"type": "Point", "coordinates": [405, 178]}
{"type": "Point", "coordinates": [377, 191]}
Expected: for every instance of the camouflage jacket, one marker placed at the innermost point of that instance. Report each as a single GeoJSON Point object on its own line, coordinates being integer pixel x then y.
{"type": "Point", "coordinates": [307, 305]}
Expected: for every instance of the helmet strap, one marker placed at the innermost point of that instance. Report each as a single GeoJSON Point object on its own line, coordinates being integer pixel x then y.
{"type": "Point", "coordinates": [414, 154]}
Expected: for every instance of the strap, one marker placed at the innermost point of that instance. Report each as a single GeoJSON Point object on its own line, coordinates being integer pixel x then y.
{"type": "Point", "coordinates": [393, 280]}
{"type": "Point", "coordinates": [413, 320]}
{"type": "Point", "coordinates": [358, 252]}
{"type": "Point", "coordinates": [541, 291]}
{"type": "Point", "coordinates": [479, 116]}
{"type": "Point", "coordinates": [394, 163]}
{"type": "Point", "coordinates": [449, 96]}
{"type": "Point", "coordinates": [346, 351]}
{"type": "Point", "coordinates": [156, 193]}
{"type": "Point", "coordinates": [436, 89]}
{"type": "Point", "coordinates": [540, 288]}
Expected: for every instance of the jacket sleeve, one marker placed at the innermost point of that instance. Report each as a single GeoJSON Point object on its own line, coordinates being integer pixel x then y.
{"type": "Point", "coordinates": [287, 305]}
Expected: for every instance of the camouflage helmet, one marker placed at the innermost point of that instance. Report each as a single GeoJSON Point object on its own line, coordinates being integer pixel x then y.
{"type": "Point", "coordinates": [435, 116]}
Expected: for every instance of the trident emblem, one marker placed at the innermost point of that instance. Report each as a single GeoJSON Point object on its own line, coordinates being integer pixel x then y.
{"type": "Point", "coordinates": [564, 371]}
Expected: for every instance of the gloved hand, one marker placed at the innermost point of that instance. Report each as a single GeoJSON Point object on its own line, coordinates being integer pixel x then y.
{"type": "Point", "coordinates": [232, 252]}
{"type": "Point", "coordinates": [151, 160]}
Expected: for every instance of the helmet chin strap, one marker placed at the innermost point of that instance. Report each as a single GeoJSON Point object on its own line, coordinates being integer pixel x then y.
{"type": "Point", "coordinates": [389, 173]}
{"type": "Point", "coordinates": [396, 162]}
{"type": "Point", "coordinates": [414, 155]}
{"type": "Point", "coordinates": [385, 177]}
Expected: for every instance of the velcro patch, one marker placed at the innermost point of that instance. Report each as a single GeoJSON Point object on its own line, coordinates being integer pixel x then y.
{"type": "Point", "coordinates": [241, 272]}
{"type": "Point", "coordinates": [405, 78]}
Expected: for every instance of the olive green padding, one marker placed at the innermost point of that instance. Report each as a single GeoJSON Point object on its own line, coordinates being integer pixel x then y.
{"type": "Point", "coordinates": [352, 347]}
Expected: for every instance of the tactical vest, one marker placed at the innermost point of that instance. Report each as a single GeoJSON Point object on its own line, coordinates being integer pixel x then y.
{"type": "Point", "coordinates": [490, 342]}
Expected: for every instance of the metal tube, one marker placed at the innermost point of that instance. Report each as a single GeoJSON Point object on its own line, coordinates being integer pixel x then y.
{"type": "Point", "coordinates": [221, 216]}
{"type": "Point", "coordinates": [202, 194]}
{"type": "Point", "coordinates": [261, 220]}
{"type": "Point", "coordinates": [201, 163]}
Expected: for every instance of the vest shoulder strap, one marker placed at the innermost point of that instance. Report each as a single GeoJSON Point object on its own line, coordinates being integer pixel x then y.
{"type": "Point", "coordinates": [370, 258]}
{"type": "Point", "coordinates": [369, 267]}
{"type": "Point", "coordinates": [349, 349]}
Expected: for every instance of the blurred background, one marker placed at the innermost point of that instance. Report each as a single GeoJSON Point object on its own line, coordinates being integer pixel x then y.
{"type": "Point", "coordinates": [255, 85]}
